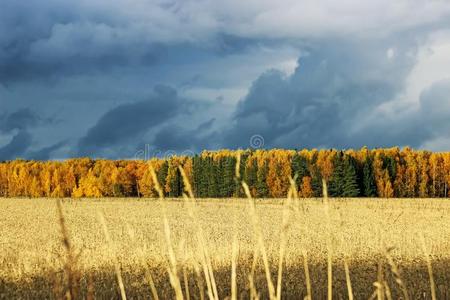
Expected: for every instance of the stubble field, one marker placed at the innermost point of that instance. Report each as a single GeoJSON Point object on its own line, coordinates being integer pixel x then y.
{"type": "Point", "coordinates": [390, 249]}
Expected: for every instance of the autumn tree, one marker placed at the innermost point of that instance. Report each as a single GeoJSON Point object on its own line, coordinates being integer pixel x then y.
{"type": "Point", "coordinates": [279, 170]}
{"type": "Point", "coordinates": [437, 175]}
{"type": "Point", "coordinates": [381, 172]}
{"type": "Point", "coordinates": [306, 190]}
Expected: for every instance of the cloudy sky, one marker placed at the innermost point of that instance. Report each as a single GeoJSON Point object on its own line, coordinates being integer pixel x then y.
{"type": "Point", "coordinates": [112, 78]}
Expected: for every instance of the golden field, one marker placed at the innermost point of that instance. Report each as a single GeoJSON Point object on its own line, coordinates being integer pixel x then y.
{"type": "Point", "coordinates": [392, 248]}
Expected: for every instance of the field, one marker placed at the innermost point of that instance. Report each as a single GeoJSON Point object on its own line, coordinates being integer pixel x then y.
{"type": "Point", "coordinates": [391, 248]}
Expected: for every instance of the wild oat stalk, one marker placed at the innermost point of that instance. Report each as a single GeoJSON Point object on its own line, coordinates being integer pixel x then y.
{"type": "Point", "coordinates": [172, 268]}
{"type": "Point", "coordinates": [71, 275]}
{"type": "Point", "coordinates": [347, 279]}
{"type": "Point", "coordinates": [251, 276]}
{"type": "Point", "coordinates": [147, 273]}
{"type": "Point", "coordinates": [115, 260]}
{"type": "Point", "coordinates": [204, 254]}
{"type": "Point", "coordinates": [346, 267]}
{"type": "Point", "coordinates": [292, 193]}
{"type": "Point", "coordinates": [307, 277]}
{"type": "Point", "coordinates": [173, 271]}
{"type": "Point", "coordinates": [185, 275]}
{"type": "Point", "coordinates": [395, 270]}
{"type": "Point", "coordinates": [200, 283]}
{"type": "Point", "coordinates": [233, 268]}
{"type": "Point", "coordinates": [234, 254]}
{"type": "Point", "coordinates": [260, 241]}
{"type": "Point", "coordinates": [329, 242]}
{"type": "Point", "coordinates": [429, 267]}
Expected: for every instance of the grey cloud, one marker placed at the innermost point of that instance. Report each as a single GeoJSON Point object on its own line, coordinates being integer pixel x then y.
{"type": "Point", "coordinates": [336, 84]}
{"type": "Point", "coordinates": [20, 119]}
{"type": "Point", "coordinates": [181, 139]}
{"type": "Point", "coordinates": [128, 122]}
{"type": "Point", "coordinates": [46, 152]}
{"type": "Point", "coordinates": [20, 123]}
{"type": "Point", "coordinates": [54, 38]}
{"type": "Point", "coordinates": [59, 55]}
{"type": "Point", "coordinates": [175, 138]}
{"type": "Point", "coordinates": [17, 123]}
{"type": "Point", "coordinates": [416, 128]}
{"type": "Point", "coordinates": [17, 147]}
{"type": "Point", "coordinates": [435, 107]}
{"type": "Point", "coordinates": [206, 125]}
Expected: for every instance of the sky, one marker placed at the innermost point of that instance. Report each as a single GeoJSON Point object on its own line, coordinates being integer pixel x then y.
{"type": "Point", "coordinates": [138, 78]}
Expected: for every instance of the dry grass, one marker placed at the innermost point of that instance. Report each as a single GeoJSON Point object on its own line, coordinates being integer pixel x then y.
{"type": "Point", "coordinates": [381, 248]}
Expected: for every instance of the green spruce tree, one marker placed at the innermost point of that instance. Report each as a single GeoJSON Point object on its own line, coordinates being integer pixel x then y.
{"type": "Point", "coordinates": [212, 179]}
{"type": "Point", "coordinates": [336, 183]}
{"type": "Point", "coordinates": [316, 181]}
{"type": "Point", "coordinates": [228, 176]}
{"type": "Point", "coordinates": [197, 175]}
{"type": "Point", "coordinates": [251, 175]}
{"type": "Point", "coordinates": [176, 184]}
{"type": "Point", "coordinates": [162, 174]}
{"type": "Point", "coordinates": [370, 187]}
{"type": "Point", "coordinates": [350, 180]}
{"type": "Point", "coordinates": [299, 166]}
{"type": "Point", "coordinates": [261, 185]}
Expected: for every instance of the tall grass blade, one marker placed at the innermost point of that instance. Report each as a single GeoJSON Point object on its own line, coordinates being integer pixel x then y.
{"type": "Point", "coordinates": [115, 260]}
{"type": "Point", "coordinates": [260, 241]}
{"type": "Point", "coordinates": [429, 267]}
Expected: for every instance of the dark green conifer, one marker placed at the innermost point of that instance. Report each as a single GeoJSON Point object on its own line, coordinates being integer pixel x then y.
{"type": "Point", "coordinates": [350, 181]}
{"type": "Point", "coordinates": [299, 166]}
{"type": "Point", "coordinates": [162, 174]}
{"type": "Point", "coordinates": [336, 182]}
{"type": "Point", "coordinates": [251, 175]}
{"type": "Point", "coordinates": [316, 181]}
{"type": "Point", "coordinates": [370, 188]}
{"type": "Point", "coordinates": [261, 185]}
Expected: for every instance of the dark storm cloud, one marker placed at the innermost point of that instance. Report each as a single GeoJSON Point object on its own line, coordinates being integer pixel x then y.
{"type": "Point", "coordinates": [20, 123]}
{"type": "Point", "coordinates": [20, 119]}
{"type": "Point", "coordinates": [175, 138]}
{"type": "Point", "coordinates": [57, 57]}
{"type": "Point", "coordinates": [435, 109]}
{"type": "Point", "coordinates": [17, 123]}
{"type": "Point", "coordinates": [128, 122]}
{"type": "Point", "coordinates": [429, 121]}
{"type": "Point", "coordinates": [17, 147]}
{"type": "Point", "coordinates": [179, 139]}
{"type": "Point", "coordinates": [53, 38]}
{"type": "Point", "coordinates": [46, 152]}
{"type": "Point", "coordinates": [336, 84]}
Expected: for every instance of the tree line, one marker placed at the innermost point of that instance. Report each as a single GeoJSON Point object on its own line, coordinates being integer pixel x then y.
{"type": "Point", "coordinates": [383, 173]}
